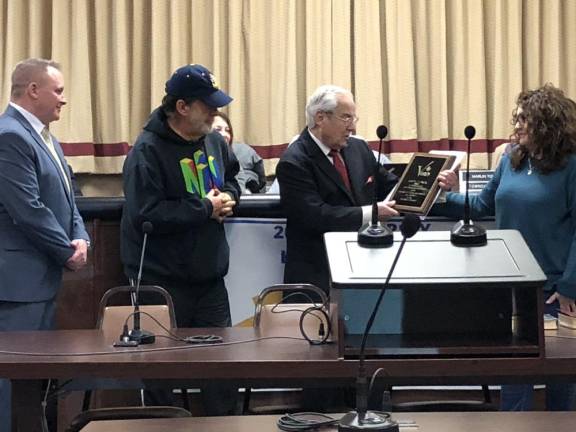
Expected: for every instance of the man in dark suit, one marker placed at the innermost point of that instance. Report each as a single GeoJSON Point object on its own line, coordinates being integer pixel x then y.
{"type": "Point", "coordinates": [326, 184]}
{"type": "Point", "coordinates": [41, 231]}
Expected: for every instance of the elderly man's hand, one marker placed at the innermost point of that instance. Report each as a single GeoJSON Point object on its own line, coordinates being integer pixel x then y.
{"type": "Point", "coordinates": [386, 210]}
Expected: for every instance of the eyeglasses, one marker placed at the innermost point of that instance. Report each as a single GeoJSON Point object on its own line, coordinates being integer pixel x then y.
{"type": "Point", "coordinates": [345, 118]}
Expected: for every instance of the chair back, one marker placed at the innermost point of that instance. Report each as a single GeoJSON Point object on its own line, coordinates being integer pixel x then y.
{"type": "Point", "coordinates": [112, 317]}
{"type": "Point", "coordinates": [283, 319]}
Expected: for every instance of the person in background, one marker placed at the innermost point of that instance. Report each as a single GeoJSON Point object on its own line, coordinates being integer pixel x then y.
{"type": "Point", "coordinates": [180, 177]}
{"type": "Point", "coordinates": [252, 178]}
{"type": "Point", "coordinates": [326, 184]}
{"type": "Point", "coordinates": [41, 230]}
{"type": "Point", "coordinates": [534, 191]}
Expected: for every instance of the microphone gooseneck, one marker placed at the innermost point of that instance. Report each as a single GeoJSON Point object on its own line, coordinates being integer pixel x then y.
{"type": "Point", "coordinates": [137, 334]}
{"type": "Point", "coordinates": [358, 420]}
{"type": "Point", "coordinates": [469, 133]}
{"type": "Point", "coordinates": [374, 234]}
{"type": "Point", "coordinates": [465, 233]}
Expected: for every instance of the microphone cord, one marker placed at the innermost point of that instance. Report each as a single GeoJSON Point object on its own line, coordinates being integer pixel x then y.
{"type": "Point", "coordinates": [323, 332]}
{"type": "Point", "coordinates": [325, 326]}
{"type": "Point", "coordinates": [44, 419]}
{"type": "Point", "coordinates": [304, 421]}
{"type": "Point", "coordinates": [197, 339]}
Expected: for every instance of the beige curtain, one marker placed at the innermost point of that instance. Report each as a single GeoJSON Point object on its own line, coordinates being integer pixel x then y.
{"type": "Point", "coordinates": [425, 68]}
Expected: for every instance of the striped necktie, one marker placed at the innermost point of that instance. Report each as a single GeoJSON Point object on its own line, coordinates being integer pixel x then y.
{"type": "Point", "coordinates": [340, 167]}
{"type": "Point", "coordinates": [48, 141]}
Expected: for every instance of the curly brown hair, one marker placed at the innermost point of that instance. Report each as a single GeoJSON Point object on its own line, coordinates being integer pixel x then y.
{"type": "Point", "coordinates": [551, 120]}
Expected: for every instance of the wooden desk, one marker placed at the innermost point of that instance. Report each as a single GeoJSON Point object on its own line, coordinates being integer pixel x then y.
{"type": "Point", "coordinates": [247, 360]}
{"type": "Point", "coordinates": [427, 422]}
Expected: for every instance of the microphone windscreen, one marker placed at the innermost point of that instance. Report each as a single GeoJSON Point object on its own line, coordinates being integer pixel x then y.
{"type": "Point", "coordinates": [469, 132]}
{"type": "Point", "coordinates": [381, 132]}
{"type": "Point", "coordinates": [147, 227]}
{"type": "Point", "coordinates": [410, 225]}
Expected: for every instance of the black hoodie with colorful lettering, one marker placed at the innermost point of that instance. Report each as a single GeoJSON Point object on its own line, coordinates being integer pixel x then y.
{"type": "Point", "coordinates": [166, 179]}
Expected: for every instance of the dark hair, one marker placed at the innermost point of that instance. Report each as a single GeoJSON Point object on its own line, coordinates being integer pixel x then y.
{"type": "Point", "coordinates": [550, 117]}
{"type": "Point", "coordinates": [169, 103]}
{"type": "Point", "coordinates": [225, 117]}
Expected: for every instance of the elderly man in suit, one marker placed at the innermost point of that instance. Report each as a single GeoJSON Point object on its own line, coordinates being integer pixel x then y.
{"type": "Point", "coordinates": [41, 231]}
{"type": "Point", "coordinates": [326, 184]}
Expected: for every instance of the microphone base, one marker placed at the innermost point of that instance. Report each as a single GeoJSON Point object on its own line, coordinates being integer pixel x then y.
{"type": "Point", "coordinates": [143, 337]}
{"type": "Point", "coordinates": [375, 236]}
{"type": "Point", "coordinates": [467, 234]}
{"type": "Point", "coordinates": [374, 421]}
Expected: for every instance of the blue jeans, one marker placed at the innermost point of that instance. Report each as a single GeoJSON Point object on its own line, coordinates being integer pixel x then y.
{"type": "Point", "coordinates": [520, 397]}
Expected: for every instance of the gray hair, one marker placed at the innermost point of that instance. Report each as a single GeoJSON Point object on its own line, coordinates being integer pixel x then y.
{"type": "Point", "coordinates": [324, 99]}
{"type": "Point", "coordinates": [28, 71]}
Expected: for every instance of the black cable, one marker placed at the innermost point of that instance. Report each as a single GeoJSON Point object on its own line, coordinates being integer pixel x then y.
{"type": "Point", "coordinates": [148, 350]}
{"type": "Point", "coordinates": [198, 339]}
{"type": "Point", "coordinates": [304, 421]}
{"type": "Point", "coordinates": [323, 337]}
{"type": "Point", "coordinates": [323, 332]}
{"type": "Point", "coordinates": [167, 330]}
{"type": "Point", "coordinates": [44, 403]}
{"type": "Point", "coordinates": [299, 293]}
{"type": "Point", "coordinates": [373, 379]}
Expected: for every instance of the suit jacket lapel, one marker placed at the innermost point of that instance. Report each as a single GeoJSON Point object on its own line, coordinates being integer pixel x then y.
{"type": "Point", "coordinates": [40, 143]}
{"type": "Point", "coordinates": [69, 191]}
{"type": "Point", "coordinates": [354, 165]}
{"type": "Point", "coordinates": [326, 167]}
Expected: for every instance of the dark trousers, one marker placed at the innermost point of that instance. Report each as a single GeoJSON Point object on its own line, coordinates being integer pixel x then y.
{"type": "Point", "coordinates": [199, 305]}
{"type": "Point", "coordinates": [16, 316]}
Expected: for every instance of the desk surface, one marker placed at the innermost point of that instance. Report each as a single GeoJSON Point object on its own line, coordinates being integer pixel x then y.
{"type": "Point", "coordinates": [246, 358]}
{"type": "Point", "coordinates": [427, 422]}
{"type": "Point", "coordinates": [89, 353]}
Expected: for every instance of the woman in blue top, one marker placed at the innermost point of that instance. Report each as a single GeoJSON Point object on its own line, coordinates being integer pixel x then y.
{"type": "Point", "coordinates": [534, 191]}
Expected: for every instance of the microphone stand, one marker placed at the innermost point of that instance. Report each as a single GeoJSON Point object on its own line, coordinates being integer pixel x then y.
{"type": "Point", "coordinates": [141, 337]}
{"type": "Point", "coordinates": [362, 419]}
{"type": "Point", "coordinates": [465, 233]}
{"type": "Point", "coordinates": [374, 234]}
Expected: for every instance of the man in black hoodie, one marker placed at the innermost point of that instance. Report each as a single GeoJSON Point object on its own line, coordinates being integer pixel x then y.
{"type": "Point", "coordinates": [180, 177]}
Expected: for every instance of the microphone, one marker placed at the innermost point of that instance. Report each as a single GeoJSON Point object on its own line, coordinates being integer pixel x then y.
{"type": "Point", "coordinates": [381, 132]}
{"type": "Point", "coordinates": [374, 234]}
{"type": "Point", "coordinates": [465, 233]}
{"type": "Point", "coordinates": [362, 419]}
{"type": "Point", "coordinates": [137, 334]}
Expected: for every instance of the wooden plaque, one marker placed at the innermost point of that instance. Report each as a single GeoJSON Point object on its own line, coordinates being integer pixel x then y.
{"type": "Point", "coordinates": [418, 187]}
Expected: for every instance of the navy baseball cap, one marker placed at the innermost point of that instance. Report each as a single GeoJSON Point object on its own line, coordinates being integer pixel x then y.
{"type": "Point", "coordinates": [197, 82]}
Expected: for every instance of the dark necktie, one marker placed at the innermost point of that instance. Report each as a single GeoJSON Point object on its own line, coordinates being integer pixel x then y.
{"type": "Point", "coordinates": [340, 167]}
